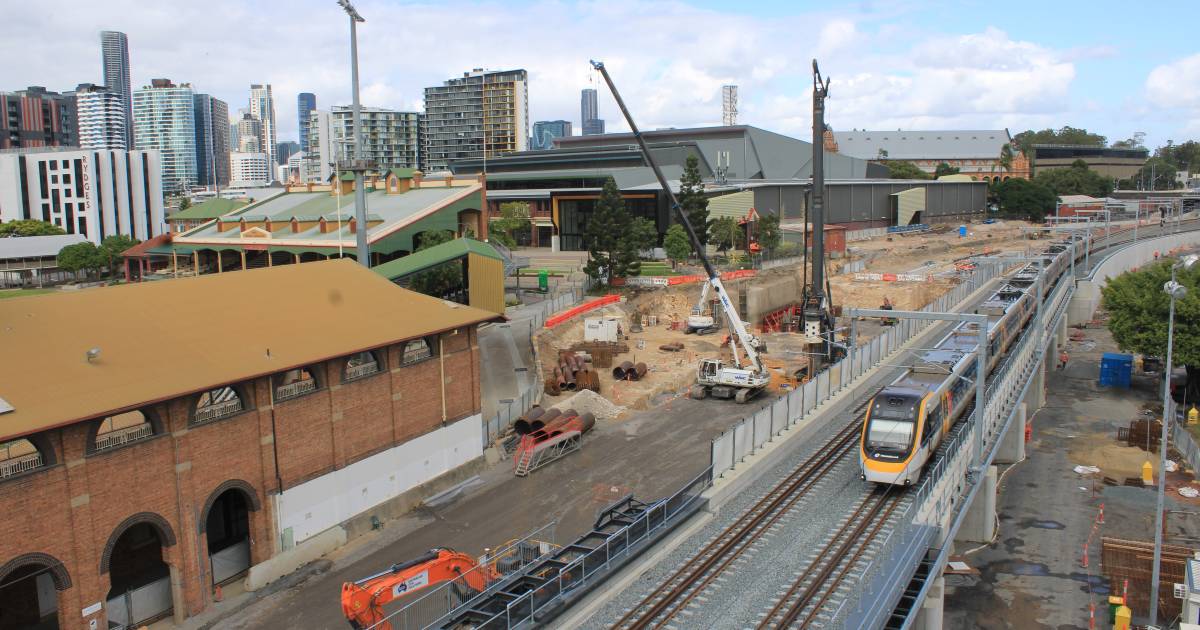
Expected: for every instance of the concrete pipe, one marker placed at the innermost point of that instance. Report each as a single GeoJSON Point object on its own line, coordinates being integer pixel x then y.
{"type": "Point", "coordinates": [550, 386]}
{"type": "Point", "coordinates": [533, 413]}
{"type": "Point", "coordinates": [521, 427]}
{"type": "Point", "coordinates": [560, 379]}
{"type": "Point", "coordinates": [586, 422]}
{"type": "Point", "coordinates": [621, 371]}
{"type": "Point", "coordinates": [549, 416]}
{"type": "Point", "coordinates": [639, 371]}
{"type": "Point", "coordinates": [536, 425]}
{"type": "Point", "coordinates": [569, 377]}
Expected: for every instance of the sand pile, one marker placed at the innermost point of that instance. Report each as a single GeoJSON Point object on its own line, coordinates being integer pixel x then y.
{"type": "Point", "coordinates": [587, 401]}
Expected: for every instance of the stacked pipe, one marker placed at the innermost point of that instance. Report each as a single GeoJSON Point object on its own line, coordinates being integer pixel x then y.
{"type": "Point", "coordinates": [572, 373]}
{"type": "Point", "coordinates": [627, 371]}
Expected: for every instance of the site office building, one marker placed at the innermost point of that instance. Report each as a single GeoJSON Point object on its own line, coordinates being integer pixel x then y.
{"type": "Point", "coordinates": [274, 415]}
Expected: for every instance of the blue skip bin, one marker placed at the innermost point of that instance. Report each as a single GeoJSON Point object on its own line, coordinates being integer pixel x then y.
{"type": "Point", "coordinates": [1115, 369]}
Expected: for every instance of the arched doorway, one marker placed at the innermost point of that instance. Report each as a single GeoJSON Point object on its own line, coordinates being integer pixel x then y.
{"type": "Point", "coordinates": [227, 530]}
{"type": "Point", "coordinates": [29, 587]}
{"type": "Point", "coordinates": [139, 578]}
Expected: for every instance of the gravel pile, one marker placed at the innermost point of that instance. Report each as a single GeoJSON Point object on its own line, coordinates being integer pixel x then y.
{"type": "Point", "coordinates": [587, 401]}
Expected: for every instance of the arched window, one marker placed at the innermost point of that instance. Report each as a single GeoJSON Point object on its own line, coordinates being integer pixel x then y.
{"type": "Point", "coordinates": [361, 365]}
{"type": "Point", "coordinates": [218, 403]}
{"type": "Point", "coordinates": [294, 383]}
{"type": "Point", "coordinates": [416, 350]}
{"type": "Point", "coordinates": [121, 429]}
{"type": "Point", "coordinates": [19, 456]}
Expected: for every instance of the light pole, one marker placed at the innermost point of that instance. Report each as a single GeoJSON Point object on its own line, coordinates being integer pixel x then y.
{"type": "Point", "coordinates": [1176, 291]}
{"type": "Point", "coordinates": [357, 164]}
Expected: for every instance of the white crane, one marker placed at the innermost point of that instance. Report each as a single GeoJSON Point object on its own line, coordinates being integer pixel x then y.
{"type": "Point", "coordinates": [742, 379]}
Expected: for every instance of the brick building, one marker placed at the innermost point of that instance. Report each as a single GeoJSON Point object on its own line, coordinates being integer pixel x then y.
{"type": "Point", "coordinates": [273, 415]}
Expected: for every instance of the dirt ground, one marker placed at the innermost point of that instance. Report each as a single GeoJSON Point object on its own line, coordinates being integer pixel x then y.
{"type": "Point", "coordinates": [671, 373]}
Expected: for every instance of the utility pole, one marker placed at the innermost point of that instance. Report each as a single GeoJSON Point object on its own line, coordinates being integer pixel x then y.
{"type": "Point", "coordinates": [358, 165]}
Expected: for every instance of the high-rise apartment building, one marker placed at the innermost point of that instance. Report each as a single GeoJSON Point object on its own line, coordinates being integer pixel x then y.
{"type": "Point", "coordinates": [482, 114]}
{"type": "Point", "coordinates": [96, 193]}
{"type": "Point", "coordinates": [262, 107]}
{"type": "Point", "coordinates": [164, 119]}
{"type": "Point", "coordinates": [114, 48]}
{"type": "Point", "coordinates": [322, 152]}
{"type": "Point", "coordinates": [545, 131]}
{"type": "Point", "coordinates": [249, 134]}
{"type": "Point", "coordinates": [250, 169]}
{"type": "Point", "coordinates": [305, 103]}
{"type": "Point", "coordinates": [212, 140]}
{"type": "Point", "coordinates": [284, 151]}
{"type": "Point", "coordinates": [35, 117]}
{"type": "Point", "coordinates": [101, 115]}
{"type": "Point", "coordinates": [391, 139]}
{"type": "Point", "coordinates": [589, 113]}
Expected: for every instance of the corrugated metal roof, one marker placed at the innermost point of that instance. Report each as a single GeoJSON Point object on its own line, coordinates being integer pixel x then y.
{"type": "Point", "coordinates": [434, 256]}
{"type": "Point", "coordinates": [923, 145]}
{"type": "Point", "coordinates": [210, 209]}
{"type": "Point", "coordinates": [287, 316]}
{"type": "Point", "coordinates": [37, 246]}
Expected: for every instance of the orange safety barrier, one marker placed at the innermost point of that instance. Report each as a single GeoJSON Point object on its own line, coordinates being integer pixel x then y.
{"type": "Point", "coordinates": [728, 275]}
{"type": "Point", "coordinates": [555, 320]}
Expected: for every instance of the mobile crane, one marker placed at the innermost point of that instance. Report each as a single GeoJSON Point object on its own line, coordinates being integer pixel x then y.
{"type": "Point", "coordinates": [741, 380]}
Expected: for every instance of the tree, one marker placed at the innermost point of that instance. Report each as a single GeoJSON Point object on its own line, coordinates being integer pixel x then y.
{"type": "Point", "coordinates": [1066, 135]}
{"type": "Point", "coordinates": [1138, 311]}
{"type": "Point", "coordinates": [1025, 199]}
{"type": "Point", "coordinates": [442, 280]}
{"type": "Point", "coordinates": [28, 227]}
{"type": "Point", "coordinates": [882, 155]}
{"type": "Point", "coordinates": [677, 244]}
{"type": "Point", "coordinates": [184, 204]}
{"type": "Point", "coordinates": [112, 247]}
{"type": "Point", "coordinates": [610, 254]}
{"type": "Point", "coordinates": [1076, 180]}
{"type": "Point", "coordinates": [642, 235]}
{"type": "Point", "coordinates": [903, 169]}
{"type": "Point", "coordinates": [944, 169]}
{"type": "Point", "coordinates": [692, 200]}
{"type": "Point", "coordinates": [769, 236]}
{"type": "Point", "coordinates": [1006, 157]}
{"type": "Point", "coordinates": [726, 233]}
{"type": "Point", "coordinates": [81, 257]}
{"type": "Point", "coordinates": [514, 218]}
{"type": "Point", "coordinates": [1158, 173]}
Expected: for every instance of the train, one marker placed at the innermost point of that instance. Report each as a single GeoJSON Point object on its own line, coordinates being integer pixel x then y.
{"type": "Point", "coordinates": [908, 419]}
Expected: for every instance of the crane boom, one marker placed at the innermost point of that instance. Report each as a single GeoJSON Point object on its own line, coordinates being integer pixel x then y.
{"type": "Point", "coordinates": [748, 343]}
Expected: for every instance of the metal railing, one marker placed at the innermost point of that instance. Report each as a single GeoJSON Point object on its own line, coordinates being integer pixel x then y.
{"type": "Point", "coordinates": [1184, 442]}
{"type": "Point", "coordinates": [440, 600]}
{"type": "Point", "coordinates": [18, 465]}
{"type": "Point", "coordinates": [123, 436]}
{"type": "Point", "coordinates": [216, 411]}
{"type": "Point", "coordinates": [751, 433]}
{"type": "Point", "coordinates": [359, 371]}
{"type": "Point", "coordinates": [594, 565]}
{"type": "Point", "coordinates": [292, 390]}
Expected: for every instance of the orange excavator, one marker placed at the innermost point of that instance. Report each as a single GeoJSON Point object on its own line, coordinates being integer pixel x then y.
{"type": "Point", "coordinates": [363, 600]}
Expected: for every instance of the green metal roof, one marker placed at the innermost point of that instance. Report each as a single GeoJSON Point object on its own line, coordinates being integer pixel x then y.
{"type": "Point", "coordinates": [403, 172]}
{"type": "Point", "coordinates": [435, 256]}
{"type": "Point", "coordinates": [210, 209]}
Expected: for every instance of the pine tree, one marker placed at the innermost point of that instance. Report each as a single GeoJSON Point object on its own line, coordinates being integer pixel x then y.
{"type": "Point", "coordinates": [692, 199]}
{"type": "Point", "coordinates": [610, 253]}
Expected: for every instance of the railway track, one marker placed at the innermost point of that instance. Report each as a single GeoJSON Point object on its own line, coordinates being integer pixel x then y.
{"type": "Point", "coordinates": [802, 601]}
{"type": "Point", "coordinates": [703, 569]}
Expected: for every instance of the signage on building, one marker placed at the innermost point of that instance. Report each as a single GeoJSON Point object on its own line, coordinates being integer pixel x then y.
{"type": "Point", "coordinates": [93, 609]}
{"type": "Point", "coordinates": [87, 184]}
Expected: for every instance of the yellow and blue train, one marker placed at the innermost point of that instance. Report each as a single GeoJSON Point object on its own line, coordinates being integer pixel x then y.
{"type": "Point", "coordinates": [907, 420]}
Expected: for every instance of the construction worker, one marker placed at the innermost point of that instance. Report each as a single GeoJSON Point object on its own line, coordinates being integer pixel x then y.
{"type": "Point", "coordinates": [887, 306]}
{"type": "Point", "coordinates": [1062, 360]}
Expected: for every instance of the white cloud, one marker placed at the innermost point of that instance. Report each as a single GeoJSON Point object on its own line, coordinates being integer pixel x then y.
{"type": "Point", "coordinates": [1176, 84]}
{"type": "Point", "coordinates": [669, 59]}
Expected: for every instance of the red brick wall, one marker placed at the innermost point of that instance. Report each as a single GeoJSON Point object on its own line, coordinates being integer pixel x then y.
{"type": "Point", "coordinates": [71, 509]}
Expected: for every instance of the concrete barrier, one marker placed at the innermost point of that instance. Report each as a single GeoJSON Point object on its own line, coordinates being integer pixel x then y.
{"type": "Point", "coordinates": [1087, 296]}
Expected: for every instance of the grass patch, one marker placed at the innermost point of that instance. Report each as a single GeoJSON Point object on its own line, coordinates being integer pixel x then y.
{"type": "Point", "coordinates": [12, 293]}
{"type": "Point", "coordinates": [657, 269]}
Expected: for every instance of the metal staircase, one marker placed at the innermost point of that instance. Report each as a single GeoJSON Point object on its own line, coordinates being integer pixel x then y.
{"type": "Point", "coordinates": [533, 453]}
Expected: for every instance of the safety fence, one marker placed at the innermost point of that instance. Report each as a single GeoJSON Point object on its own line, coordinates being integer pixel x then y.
{"type": "Point", "coordinates": [1183, 440]}
{"type": "Point", "coordinates": [939, 492]}
{"type": "Point", "coordinates": [751, 433]}
{"type": "Point", "coordinates": [437, 601]}
{"type": "Point", "coordinates": [862, 235]}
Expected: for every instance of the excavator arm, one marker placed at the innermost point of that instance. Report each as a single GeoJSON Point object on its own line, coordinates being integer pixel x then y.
{"type": "Point", "coordinates": [363, 600]}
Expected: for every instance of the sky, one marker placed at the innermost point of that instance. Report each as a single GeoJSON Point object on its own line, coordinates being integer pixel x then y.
{"type": "Point", "coordinates": [1110, 67]}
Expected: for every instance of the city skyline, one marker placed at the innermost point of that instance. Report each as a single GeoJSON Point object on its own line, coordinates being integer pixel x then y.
{"type": "Point", "coordinates": [890, 68]}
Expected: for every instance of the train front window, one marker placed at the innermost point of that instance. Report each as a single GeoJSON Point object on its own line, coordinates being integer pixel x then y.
{"type": "Point", "coordinates": [892, 426]}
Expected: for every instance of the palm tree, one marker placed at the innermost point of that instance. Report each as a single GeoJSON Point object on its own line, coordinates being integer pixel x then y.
{"type": "Point", "coordinates": [1006, 157]}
